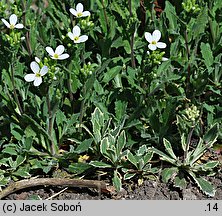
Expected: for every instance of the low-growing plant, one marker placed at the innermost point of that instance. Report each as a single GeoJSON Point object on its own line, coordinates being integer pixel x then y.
{"type": "Point", "coordinates": [188, 164]}
{"type": "Point", "coordinates": [100, 85]}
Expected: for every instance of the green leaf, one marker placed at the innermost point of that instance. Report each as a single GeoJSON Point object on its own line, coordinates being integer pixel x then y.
{"type": "Point", "coordinates": [142, 150]}
{"type": "Point", "coordinates": [104, 145]}
{"type": "Point", "coordinates": [79, 168]}
{"type": "Point", "coordinates": [147, 157]}
{"type": "Point", "coordinates": [19, 160]}
{"type": "Point", "coordinates": [117, 43]}
{"type": "Point", "coordinates": [98, 87]}
{"type": "Point", "coordinates": [132, 159]}
{"type": "Point", "coordinates": [169, 149]}
{"type": "Point", "coordinates": [198, 152]}
{"type": "Point", "coordinates": [171, 16]}
{"type": "Point", "coordinates": [16, 131]}
{"type": "Point", "coordinates": [29, 132]}
{"type": "Point", "coordinates": [4, 180]}
{"type": "Point", "coordinates": [60, 117]}
{"type": "Point", "coordinates": [207, 54]}
{"type": "Point", "coordinates": [128, 176]}
{"type": "Point", "coordinates": [39, 128]}
{"type": "Point", "coordinates": [183, 142]}
{"type": "Point", "coordinates": [22, 173]}
{"type": "Point", "coordinates": [28, 143]}
{"type": "Point", "coordinates": [200, 25]}
{"type": "Point", "coordinates": [100, 164]}
{"type": "Point", "coordinates": [117, 180]}
{"type": "Point", "coordinates": [168, 173]}
{"type": "Point", "coordinates": [204, 185]}
{"type": "Point", "coordinates": [209, 165]}
{"type": "Point", "coordinates": [127, 47]}
{"type": "Point", "coordinates": [120, 109]}
{"type": "Point", "coordinates": [3, 162]}
{"type": "Point", "coordinates": [211, 135]}
{"type": "Point", "coordinates": [10, 151]}
{"type": "Point", "coordinates": [164, 156]}
{"type": "Point", "coordinates": [111, 73]}
{"type": "Point", "coordinates": [121, 142]}
{"type": "Point", "coordinates": [97, 120]}
{"type": "Point", "coordinates": [84, 146]}
{"type": "Point", "coordinates": [180, 182]}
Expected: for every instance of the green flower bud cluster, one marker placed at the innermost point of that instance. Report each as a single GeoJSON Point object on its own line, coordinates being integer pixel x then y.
{"type": "Point", "coordinates": [192, 113]}
{"type": "Point", "coordinates": [190, 6]}
{"type": "Point", "coordinates": [14, 38]}
{"type": "Point", "coordinates": [155, 57]}
{"type": "Point", "coordinates": [86, 24]}
{"type": "Point", "coordinates": [87, 69]}
{"type": "Point", "coordinates": [58, 94]}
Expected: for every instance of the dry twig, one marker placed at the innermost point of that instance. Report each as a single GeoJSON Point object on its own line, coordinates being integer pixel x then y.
{"type": "Point", "coordinates": [53, 182]}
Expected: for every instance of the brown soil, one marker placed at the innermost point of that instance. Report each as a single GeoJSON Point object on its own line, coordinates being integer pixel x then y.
{"type": "Point", "coordinates": [149, 190]}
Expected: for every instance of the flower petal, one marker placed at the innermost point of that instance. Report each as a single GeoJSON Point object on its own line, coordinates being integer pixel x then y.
{"type": "Point", "coordinates": [35, 67]}
{"type": "Point", "coordinates": [37, 81]}
{"type": "Point", "coordinates": [76, 31]}
{"type": "Point", "coordinates": [161, 45]}
{"type": "Point", "coordinates": [71, 36]}
{"type": "Point", "coordinates": [164, 59]}
{"type": "Point", "coordinates": [148, 37]}
{"type": "Point", "coordinates": [37, 59]}
{"type": "Point", "coordinates": [29, 77]}
{"type": "Point", "coordinates": [19, 26]}
{"type": "Point", "coordinates": [63, 56]}
{"type": "Point", "coordinates": [85, 13]}
{"type": "Point", "coordinates": [79, 7]}
{"type": "Point", "coordinates": [60, 49]}
{"type": "Point", "coordinates": [73, 11]}
{"type": "Point", "coordinates": [83, 38]}
{"type": "Point", "coordinates": [50, 51]}
{"type": "Point", "coordinates": [13, 19]}
{"type": "Point", "coordinates": [156, 35]}
{"type": "Point", "coordinates": [6, 23]}
{"type": "Point", "coordinates": [152, 46]}
{"type": "Point", "coordinates": [44, 70]}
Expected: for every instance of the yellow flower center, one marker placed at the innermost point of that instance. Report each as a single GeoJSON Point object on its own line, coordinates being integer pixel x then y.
{"type": "Point", "coordinates": [12, 26]}
{"type": "Point", "coordinates": [38, 75]}
{"type": "Point", "coordinates": [79, 14]}
{"type": "Point", "coordinates": [56, 56]}
{"type": "Point", "coordinates": [153, 42]}
{"type": "Point", "coordinates": [76, 38]}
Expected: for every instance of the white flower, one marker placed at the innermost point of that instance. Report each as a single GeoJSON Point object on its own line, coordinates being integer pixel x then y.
{"type": "Point", "coordinates": [58, 54]}
{"type": "Point", "coordinates": [78, 12]}
{"type": "Point", "coordinates": [37, 73]}
{"type": "Point", "coordinates": [75, 35]}
{"type": "Point", "coordinates": [12, 22]}
{"type": "Point", "coordinates": [154, 40]}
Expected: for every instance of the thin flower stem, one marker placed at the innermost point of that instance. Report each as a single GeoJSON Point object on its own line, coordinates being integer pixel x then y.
{"type": "Point", "coordinates": [51, 124]}
{"type": "Point", "coordinates": [82, 110]}
{"type": "Point", "coordinates": [188, 144]}
{"type": "Point", "coordinates": [14, 89]}
{"type": "Point", "coordinates": [188, 67]}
